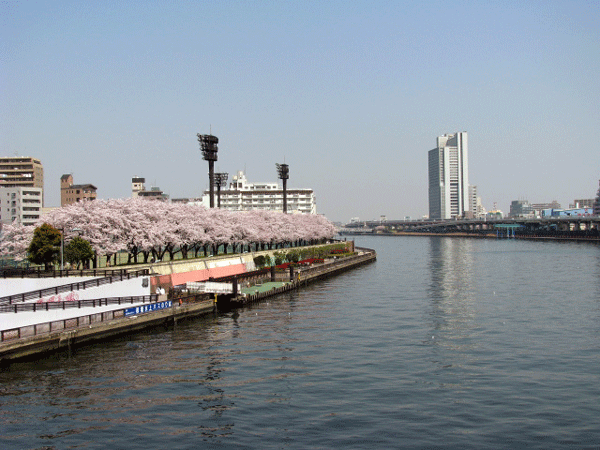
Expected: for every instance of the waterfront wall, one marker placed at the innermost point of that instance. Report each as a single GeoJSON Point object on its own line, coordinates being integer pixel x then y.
{"type": "Point", "coordinates": [99, 326]}
{"type": "Point", "coordinates": [92, 328]}
{"type": "Point", "coordinates": [175, 273]}
{"type": "Point", "coordinates": [310, 275]}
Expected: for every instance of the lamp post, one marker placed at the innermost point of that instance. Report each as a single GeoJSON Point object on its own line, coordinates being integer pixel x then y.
{"type": "Point", "coordinates": [209, 148]}
{"type": "Point", "coordinates": [283, 170]}
{"type": "Point", "coordinates": [220, 180]}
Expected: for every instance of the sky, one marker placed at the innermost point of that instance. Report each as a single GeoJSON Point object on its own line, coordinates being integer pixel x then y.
{"type": "Point", "coordinates": [350, 94]}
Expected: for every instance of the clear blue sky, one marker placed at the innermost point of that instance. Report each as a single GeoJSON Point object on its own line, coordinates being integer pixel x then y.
{"type": "Point", "coordinates": [351, 95]}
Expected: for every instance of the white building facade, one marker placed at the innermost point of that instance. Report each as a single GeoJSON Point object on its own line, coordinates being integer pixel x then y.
{"type": "Point", "coordinates": [245, 196]}
{"type": "Point", "coordinates": [21, 205]}
{"type": "Point", "coordinates": [449, 177]}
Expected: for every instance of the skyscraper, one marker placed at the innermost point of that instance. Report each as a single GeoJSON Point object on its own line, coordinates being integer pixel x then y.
{"type": "Point", "coordinates": [449, 177]}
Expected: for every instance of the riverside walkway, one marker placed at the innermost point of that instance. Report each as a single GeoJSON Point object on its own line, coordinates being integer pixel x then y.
{"type": "Point", "coordinates": [51, 328]}
{"type": "Point", "coordinates": [11, 320]}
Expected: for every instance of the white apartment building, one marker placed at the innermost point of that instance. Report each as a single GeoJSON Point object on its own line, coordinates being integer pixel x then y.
{"type": "Point", "coordinates": [245, 196]}
{"type": "Point", "coordinates": [449, 177]}
{"type": "Point", "coordinates": [20, 204]}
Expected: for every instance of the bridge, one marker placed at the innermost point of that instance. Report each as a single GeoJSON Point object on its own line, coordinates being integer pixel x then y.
{"type": "Point", "coordinates": [583, 227]}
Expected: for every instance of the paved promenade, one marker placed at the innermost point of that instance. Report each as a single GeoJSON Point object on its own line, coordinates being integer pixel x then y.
{"type": "Point", "coordinates": [9, 321]}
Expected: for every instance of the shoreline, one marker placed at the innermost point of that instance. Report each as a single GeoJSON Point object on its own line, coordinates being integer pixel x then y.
{"type": "Point", "coordinates": [479, 236]}
{"type": "Point", "coordinates": [37, 346]}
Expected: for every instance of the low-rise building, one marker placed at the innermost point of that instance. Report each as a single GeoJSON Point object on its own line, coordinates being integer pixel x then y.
{"type": "Point", "coordinates": [72, 193]}
{"type": "Point", "coordinates": [138, 189]}
{"type": "Point", "coordinates": [541, 206]}
{"type": "Point", "coordinates": [582, 203]}
{"type": "Point", "coordinates": [574, 212]}
{"type": "Point", "coordinates": [522, 209]}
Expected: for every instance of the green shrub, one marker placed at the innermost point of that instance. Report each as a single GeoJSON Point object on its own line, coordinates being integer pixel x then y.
{"type": "Point", "coordinates": [260, 261]}
{"type": "Point", "coordinates": [293, 256]}
{"type": "Point", "coordinates": [279, 258]}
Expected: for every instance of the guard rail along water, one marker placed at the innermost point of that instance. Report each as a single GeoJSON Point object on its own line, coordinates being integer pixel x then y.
{"type": "Point", "coordinates": [39, 272]}
{"type": "Point", "coordinates": [118, 275]}
{"type": "Point", "coordinates": [47, 306]}
{"type": "Point", "coordinates": [74, 322]}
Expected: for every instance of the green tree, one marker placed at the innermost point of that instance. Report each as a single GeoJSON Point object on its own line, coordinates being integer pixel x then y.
{"type": "Point", "coordinates": [259, 261]}
{"type": "Point", "coordinates": [78, 251]}
{"type": "Point", "coordinates": [293, 256]}
{"type": "Point", "coordinates": [279, 258]}
{"type": "Point", "coordinates": [45, 246]}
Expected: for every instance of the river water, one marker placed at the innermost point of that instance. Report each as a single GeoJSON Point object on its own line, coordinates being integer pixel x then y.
{"type": "Point", "coordinates": [442, 343]}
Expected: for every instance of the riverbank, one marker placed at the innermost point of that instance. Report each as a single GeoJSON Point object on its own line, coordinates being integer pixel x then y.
{"type": "Point", "coordinates": [67, 334]}
{"type": "Point", "coordinates": [482, 235]}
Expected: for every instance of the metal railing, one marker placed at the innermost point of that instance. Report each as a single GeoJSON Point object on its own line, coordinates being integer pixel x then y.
{"type": "Point", "coordinates": [47, 306]}
{"type": "Point", "coordinates": [264, 275]}
{"type": "Point", "coordinates": [55, 290]}
{"type": "Point", "coordinates": [72, 322]}
{"type": "Point", "coordinates": [39, 272]}
{"type": "Point", "coordinates": [316, 270]}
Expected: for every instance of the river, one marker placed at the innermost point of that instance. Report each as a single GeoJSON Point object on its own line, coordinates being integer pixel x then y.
{"type": "Point", "coordinates": [442, 343]}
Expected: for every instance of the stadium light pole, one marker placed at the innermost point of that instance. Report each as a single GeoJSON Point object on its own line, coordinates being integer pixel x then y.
{"type": "Point", "coordinates": [220, 180]}
{"type": "Point", "coordinates": [209, 148]}
{"type": "Point", "coordinates": [283, 170]}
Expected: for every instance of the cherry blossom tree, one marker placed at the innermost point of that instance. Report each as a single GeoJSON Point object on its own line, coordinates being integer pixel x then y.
{"type": "Point", "coordinates": [14, 240]}
{"type": "Point", "coordinates": [144, 227]}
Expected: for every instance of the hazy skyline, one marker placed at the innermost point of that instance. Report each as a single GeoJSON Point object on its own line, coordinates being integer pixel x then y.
{"type": "Point", "coordinates": [352, 95]}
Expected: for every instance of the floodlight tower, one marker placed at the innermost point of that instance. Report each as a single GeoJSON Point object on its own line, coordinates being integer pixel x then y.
{"type": "Point", "coordinates": [220, 180]}
{"type": "Point", "coordinates": [283, 170]}
{"type": "Point", "coordinates": [208, 145]}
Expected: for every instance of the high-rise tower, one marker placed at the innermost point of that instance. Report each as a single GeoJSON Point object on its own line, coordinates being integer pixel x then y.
{"type": "Point", "coordinates": [449, 177]}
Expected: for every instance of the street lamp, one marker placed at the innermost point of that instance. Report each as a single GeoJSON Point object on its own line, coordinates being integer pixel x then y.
{"type": "Point", "coordinates": [283, 170]}
{"type": "Point", "coordinates": [209, 148]}
{"type": "Point", "coordinates": [220, 180]}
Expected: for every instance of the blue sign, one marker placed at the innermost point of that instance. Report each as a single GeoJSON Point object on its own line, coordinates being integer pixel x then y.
{"type": "Point", "coordinates": [151, 307]}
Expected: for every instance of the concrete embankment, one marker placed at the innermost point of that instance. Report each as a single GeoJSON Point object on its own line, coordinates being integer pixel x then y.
{"type": "Point", "coordinates": [73, 335]}
{"type": "Point", "coordinates": [311, 275]}
{"type": "Point", "coordinates": [67, 339]}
